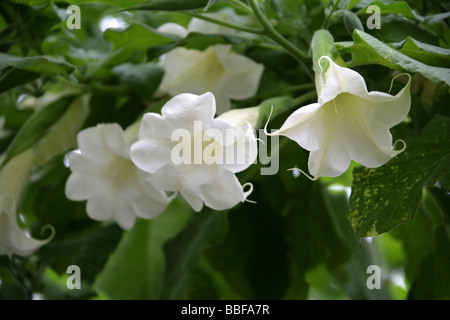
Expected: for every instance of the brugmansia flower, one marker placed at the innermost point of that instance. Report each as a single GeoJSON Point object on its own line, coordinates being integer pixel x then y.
{"type": "Point", "coordinates": [348, 123]}
{"type": "Point", "coordinates": [202, 26]}
{"type": "Point", "coordinates": [14, 240]}
{"type": "Point", "coordinates": [104, 175]}
{"type": "Point", "coordinates": [217, 69]}
{"type": "Point", "coordinates": [187, 150]}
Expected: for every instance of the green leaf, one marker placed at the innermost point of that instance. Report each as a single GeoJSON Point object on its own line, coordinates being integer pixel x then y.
{"type": "Point", "coordinates": [14, 175]}
{"type": "Point", "coordinates": [388, 196]}
{"type": "Point", "coordinates": [314, 235]}
{"type": "Point", "coordinates": [89, 249]}
{"type": "Point", "coordinates": [426, 242]}
{"type": "Point", "coordinates": [170, 5]}
{"type": "Point", "coordinates": [184, 254]}
{"type": "Point", "coordinates": [144, 79]}
{"type": "Point", "coordinates": [423, 52]}
{"type": "Point", "coordinates": [136, 36]}
{"type": "Point", "coordinates": [201, 41]}
{"type": "Point", "coordinates": [26, 69]}
{"type": "Point", "coordinates": [38, 64]}
{"type": "Point", "coordinates": [119, 3]}
{"type": "Point", "coordinates": [395, 7]}
{"type": "Point", "coordinates": [352, 21]}
{"type": "Point", "coordinates": [322, 44]}
{"type": "Point", "coordinates": [130, 45]}
{"type": "Point", "coordinates": [16, 77]}
{"type": "Point", "coordinates": [62, 135]}
{"type": "Point", "coordinates": [142, 249]}
{"type": "Point", "coordinates": [37, 126]}
{"type": "Point", "coordinates": [253, 257]}
{"type": "Point", "coordinates": [368, 50]}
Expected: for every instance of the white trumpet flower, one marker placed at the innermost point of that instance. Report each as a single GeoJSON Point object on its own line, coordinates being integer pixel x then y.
{"type": "Point", "coordinates": [348, 122]}
{"type": "Point", "coordinates": [104, 175]}
{"type": "Point", "coordinates": [217, 69]}
{"type": "Point", "coordinates": [187, 150]}
{"type": "Point", "coordinates": [14, 240]}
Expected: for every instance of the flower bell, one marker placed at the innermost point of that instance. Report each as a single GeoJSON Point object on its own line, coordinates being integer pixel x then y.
{"type": "Point", "coordinates": [14, 240]}
{"type": "Point", "coordinates": [13, 178]}
{"type": "Point", "coordinates": [104, 175]}
{"type": "Point", "coordinates": [217, 69]}
{"type": "Point", "coordinates": [187, 150]}
{"type": "Point", "coordinates": [347, 123]}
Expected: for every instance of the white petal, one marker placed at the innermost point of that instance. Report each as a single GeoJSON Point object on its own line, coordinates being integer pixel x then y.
{"type": "Point", "coordinates": [305, 126]}
{"type": "Point", "coordinates": [14, 240]}
{"type": "Point", "coordinates": [150, 155]}
{"type": "Point", "coordinates": [114, 140]}
{"type": "Point", "coordinates": [147, 201]}
{"type": "Point", "coordinates": [173, 28]}
{"type": "Point", "coordinates": [82, 164]}
{"type": "Point", "coordinates": [99, 206]}
{"type": "Point", "coordinates": [124, 214]}
{"type": "Point", "coordinates": [190, 106]}
{"type": "Point", "coordinates": [169, 177]}
{"type": "Point", "coordinates": [243, 151]}
{"type": "Point", "coordinates": [193, 199]}
{"type": "Point", "coordinates": [386, 109]}
{"type": "Point", "coordinates": [240, 117]}
{"type": "Point", "coordinates": [223, 191]}
{"type": "Point", "coordinates": [148, 208]}
{"type": "Point", "coordinates": [183, 178]}
{"type": "Point", "coordinates": [80, 187]}
{"type": "Point", "coordinates": [242, 76]}
{"type": "Point", "coordinates": [338, 80]}
{"type": "Point", "coordinates": [367, 142]}
{"type": "Point", "coordinates": [192, 71]}
{"type": "Point", "coordinates": [92, 145]}
{"type": "Point", "coordinates": [154, 126]}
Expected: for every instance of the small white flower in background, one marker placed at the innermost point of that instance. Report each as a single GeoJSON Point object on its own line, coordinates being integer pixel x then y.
{"type": "Point", "coordinates": [205, 176]}
{"type": "Point", "coordinates": [217, 69]}
{"type": "Point", "coordinates": [348, 123]}
{"type": "Point", "coordinates": [174, 29]}
{"type": "Point", "coordinates": [14, 240]}
{"type": "Point", "coordinates": [104, 175]}
{"type": "Point", "coordinates": [3, 132]}
{"type": "Point", "coordinates": [202, 26]}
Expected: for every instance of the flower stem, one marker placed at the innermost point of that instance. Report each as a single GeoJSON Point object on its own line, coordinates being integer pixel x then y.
{"type": "Point", "coordinates": [275, 35]}
{"type": "Point", "coordinates": [223, 23]}
{"type": "Point", "coordinates": [327, 19]}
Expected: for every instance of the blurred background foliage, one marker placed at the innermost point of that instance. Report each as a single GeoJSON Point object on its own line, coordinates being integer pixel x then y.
{"type": "Point", "coordinates": [303, 239]}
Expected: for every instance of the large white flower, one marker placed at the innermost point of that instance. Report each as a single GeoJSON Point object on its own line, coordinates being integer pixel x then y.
{"type": "Point", "coordinates": [348, 122]}
{"type": "Point", "coordinates": [217, 69]}
{"type": "Point", "coordinates": [189, 151]}
{"type": "Point", "coordinates": [14, 240]}
{"type": "Point", "coordinates": [104, 175]}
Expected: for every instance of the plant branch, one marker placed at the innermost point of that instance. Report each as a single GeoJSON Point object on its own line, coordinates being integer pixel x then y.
{"type": "Point", "coordinates": [275, 35]}
{"type": "Point", "coordinates": [278, 38]}
{"type": "Point", "coordinates": [327, 19]}
{"type": "Point", "coordinates": [223, 23]}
